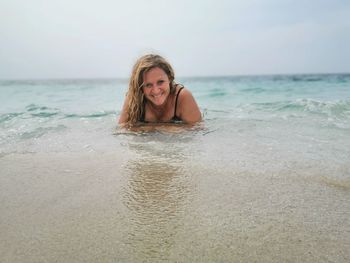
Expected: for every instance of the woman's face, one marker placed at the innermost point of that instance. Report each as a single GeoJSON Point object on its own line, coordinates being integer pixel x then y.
{"type": "Point", "coordinates": [156, 86]}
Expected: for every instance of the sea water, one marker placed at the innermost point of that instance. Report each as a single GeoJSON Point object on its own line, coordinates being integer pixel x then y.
{"type": "Point", "coordinates": [265, 177]}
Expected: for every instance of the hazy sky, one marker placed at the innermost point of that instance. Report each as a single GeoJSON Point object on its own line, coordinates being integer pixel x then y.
{"type": "Point", "coordinates": [103, 38]}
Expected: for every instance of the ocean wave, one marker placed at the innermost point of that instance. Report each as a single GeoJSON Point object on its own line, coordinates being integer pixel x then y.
{"type": "Point", "coordinates": [39, 111]}
{"type": "Point", "coordinates": [34, 107]}
{"type": "Point", "coordinates": [9, 116]}
{"type": "Point", "coordinates": [340, 109]}
{"type": "Point", "coordinates": [91, 115]}
{"type": "Point", "coordinates": [217, 93]}
{"type": "Point", "coordinates": [254, 90]}
{"type": "Point", "coordinates": [40, 131]}
{"type": "Point", "coordinates": [306, 78]}
{"type": "Point", "coordinates": [11, 137]}
{"type": "Point", "coordinates": [44, 111]}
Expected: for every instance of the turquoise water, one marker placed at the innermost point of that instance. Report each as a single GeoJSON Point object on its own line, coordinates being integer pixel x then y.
{"type": "Point", "coordinates": [32, 109]}
{"type": "Point", "coordinates": [285, 112]}
{"type": "Point", "coordinates": [265, 178]}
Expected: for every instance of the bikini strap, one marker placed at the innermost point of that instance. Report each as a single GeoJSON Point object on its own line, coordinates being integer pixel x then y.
{"type": "Point", "coordinates": [177, 96]}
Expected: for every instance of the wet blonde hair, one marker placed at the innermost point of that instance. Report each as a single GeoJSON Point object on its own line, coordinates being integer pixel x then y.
{"type": "Point", "coordinates": [135, 97]}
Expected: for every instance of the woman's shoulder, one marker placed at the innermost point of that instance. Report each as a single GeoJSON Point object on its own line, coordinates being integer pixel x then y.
{"type": "Point", "coordinates": [182, 92]}
{"type": "Point", "coordinates": [187, 105]}
{"type": "Point", "coordinates": [180, 89]}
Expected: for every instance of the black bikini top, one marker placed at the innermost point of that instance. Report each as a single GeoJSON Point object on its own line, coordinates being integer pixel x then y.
{"type": "Point", "coordinates": [174, 118]}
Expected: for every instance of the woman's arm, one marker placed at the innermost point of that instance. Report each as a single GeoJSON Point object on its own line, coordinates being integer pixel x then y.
{"type": "Point", "coordinates": [188, 109]}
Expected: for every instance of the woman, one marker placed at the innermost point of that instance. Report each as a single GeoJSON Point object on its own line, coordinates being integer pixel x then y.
{"type": "Point", "coordinates": [154, 97]}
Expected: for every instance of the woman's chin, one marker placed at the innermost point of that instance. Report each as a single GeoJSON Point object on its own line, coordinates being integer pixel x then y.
{"type": "Point", "coordinates": [158, 101]}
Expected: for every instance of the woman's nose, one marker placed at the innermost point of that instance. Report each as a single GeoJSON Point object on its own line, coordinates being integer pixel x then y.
{"type": "Point", "coordinates": [155, 88]}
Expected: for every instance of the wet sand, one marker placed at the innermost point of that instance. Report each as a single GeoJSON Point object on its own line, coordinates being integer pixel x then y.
{"type": "Point", "coordinates": [137, 206]}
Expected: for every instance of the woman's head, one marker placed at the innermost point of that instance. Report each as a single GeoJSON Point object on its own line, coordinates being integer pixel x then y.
{"type": "Point", "coordinates": [148, 62]}
{"type": "Point", "coordinates": [136, 96]}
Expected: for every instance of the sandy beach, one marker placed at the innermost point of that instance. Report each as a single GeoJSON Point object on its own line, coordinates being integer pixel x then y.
{"type": "Point", "coordinates": [109, 207]}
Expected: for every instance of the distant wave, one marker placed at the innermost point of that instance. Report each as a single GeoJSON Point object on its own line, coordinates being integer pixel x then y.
{"type": "Point", "coordinates": [340, 109]}
{"type": "Point", "coordinates": [217, 93]}
{"type": "Point", "coordinates": [254, 90]}
{"type": "Point", "coordinates": [306, 78]}
{"type": "Point", "coordinates": [312, 77]}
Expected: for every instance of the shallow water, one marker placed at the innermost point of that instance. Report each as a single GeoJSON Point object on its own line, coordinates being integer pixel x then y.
{"type": "Point", "coordinates": [266, 178]}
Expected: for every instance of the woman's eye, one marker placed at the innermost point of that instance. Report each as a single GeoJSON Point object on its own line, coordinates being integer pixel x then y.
{"type": "Point", "coordinates": [148, 85]}
{"type": "Point", "coordinates": [160, 82]}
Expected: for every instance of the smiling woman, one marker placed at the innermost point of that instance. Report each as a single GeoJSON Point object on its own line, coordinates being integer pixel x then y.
{"type": "Point", "coordinates": [155, 97]}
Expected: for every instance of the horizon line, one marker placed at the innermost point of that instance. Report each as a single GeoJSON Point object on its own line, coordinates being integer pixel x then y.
{"type": "Point", "coordinates": [179, 77]}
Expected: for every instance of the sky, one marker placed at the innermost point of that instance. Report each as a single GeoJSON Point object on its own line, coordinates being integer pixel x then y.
{"type": "Point", "coordinates": [42, 39]}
